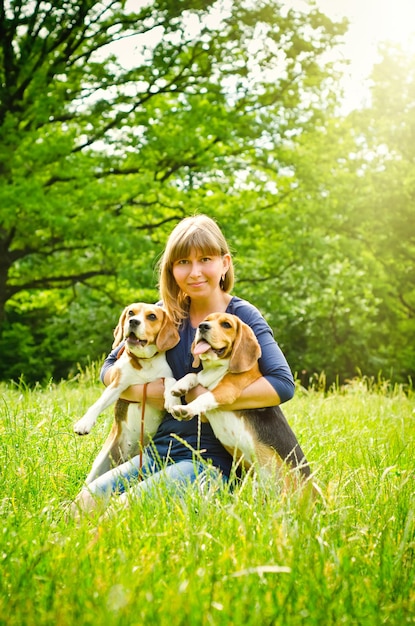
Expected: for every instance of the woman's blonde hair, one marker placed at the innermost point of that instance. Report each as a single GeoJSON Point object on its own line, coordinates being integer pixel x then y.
{"type": "Point", "coordinates": [199, 233]}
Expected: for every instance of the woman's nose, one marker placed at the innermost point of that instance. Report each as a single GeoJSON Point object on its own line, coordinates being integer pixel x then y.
{"type": "Point", "coordinates": [195, 269]}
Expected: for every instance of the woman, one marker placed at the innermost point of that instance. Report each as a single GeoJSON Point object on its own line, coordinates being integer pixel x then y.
{"type": "Point", "coordinates": [196, 276]}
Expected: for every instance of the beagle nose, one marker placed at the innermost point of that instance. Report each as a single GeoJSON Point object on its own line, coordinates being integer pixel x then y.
{"type": "Point", "coordinates": [134, 322]}
{"type": "Point", "coordinates": [204, 326]}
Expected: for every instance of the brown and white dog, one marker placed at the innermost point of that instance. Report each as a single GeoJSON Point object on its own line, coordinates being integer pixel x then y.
{"type": "Point", "coordinates": [148, 332]}
{"type": "Point", "coordinates": [229, 351]}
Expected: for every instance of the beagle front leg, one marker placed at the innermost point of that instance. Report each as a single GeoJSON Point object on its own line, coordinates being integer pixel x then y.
{"type": "Point", "coordinates": [199, 406]}
{"type": "Point", "coordinates": [124, 376]}
{"type": "Point", "coordinates": [169, 399]}
{"type": "Point", "coordinates": [175, 389]}
{"type": "Point", "coordinates": [87, 421]}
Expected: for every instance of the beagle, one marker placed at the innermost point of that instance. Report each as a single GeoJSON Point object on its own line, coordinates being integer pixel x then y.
{"type": "Point", "coordinates": [229, 351]}
{"type": "Point", "coordinates": [148, 332]}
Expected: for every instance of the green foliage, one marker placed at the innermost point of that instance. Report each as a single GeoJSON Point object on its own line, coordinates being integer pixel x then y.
{"type": "Point", "coordinates": [100, 154]}
{"type": "Point", "coordinates": [247, 557]}
{"type": "Point", "coordinates": [117, 119]}
{"type": "Point", "coordinates": [386, 222]}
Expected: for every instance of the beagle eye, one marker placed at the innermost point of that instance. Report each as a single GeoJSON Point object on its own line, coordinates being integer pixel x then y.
{"type": "Point", "coordinates": [152, 317]}
{"type": "Point", "coordinates": [226, 325]}
{"type": "Point", "coordinates": [131, 313]}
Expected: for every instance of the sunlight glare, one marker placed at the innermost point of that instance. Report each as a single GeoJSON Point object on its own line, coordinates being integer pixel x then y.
{"type": "Point", "coordinates": [371, 22]}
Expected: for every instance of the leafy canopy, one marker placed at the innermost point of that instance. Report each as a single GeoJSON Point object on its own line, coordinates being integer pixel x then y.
{"type": "Point", "coordinates": [117, 119]}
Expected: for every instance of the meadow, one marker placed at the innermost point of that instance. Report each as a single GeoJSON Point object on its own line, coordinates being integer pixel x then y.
{"type": "Point", "coordinates": [222, 558]}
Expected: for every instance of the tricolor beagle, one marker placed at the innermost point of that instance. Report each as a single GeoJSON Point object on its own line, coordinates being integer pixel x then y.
{"type": "Point", "coordinates": [148, 332]}
{"type": "Point", "coordinates": [229, 351]}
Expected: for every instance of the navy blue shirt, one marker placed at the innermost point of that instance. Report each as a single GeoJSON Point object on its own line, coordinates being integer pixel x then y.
{"type": "Point", "coordinates": [168, 441]}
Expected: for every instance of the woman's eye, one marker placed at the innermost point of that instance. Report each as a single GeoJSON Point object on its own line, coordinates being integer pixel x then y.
{"type": "Point", "coordinates": [206, 259]}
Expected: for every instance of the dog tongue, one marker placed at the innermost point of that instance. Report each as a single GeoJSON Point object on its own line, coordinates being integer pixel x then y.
{"type": "Point", "coordinates": [201, 347]}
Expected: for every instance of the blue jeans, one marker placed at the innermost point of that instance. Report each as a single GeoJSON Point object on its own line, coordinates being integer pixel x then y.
{"type": "Point", "coordinates": [124, 479]}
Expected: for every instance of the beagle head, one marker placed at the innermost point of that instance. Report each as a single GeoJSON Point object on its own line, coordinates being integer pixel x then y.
{"type": "Point", "coordinates": [223, 336]}
{"type": "Point", "coordinates": [146, 329]}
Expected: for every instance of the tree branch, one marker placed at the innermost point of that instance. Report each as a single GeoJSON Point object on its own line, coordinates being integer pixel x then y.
{"type": "Point", "coordinates": [56, 281]}
{"type": "Point", "coordinates": [265, 279]}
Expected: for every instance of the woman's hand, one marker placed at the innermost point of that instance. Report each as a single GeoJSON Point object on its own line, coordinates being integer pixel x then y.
{"type": "Point", "coordinates": [195, 393]}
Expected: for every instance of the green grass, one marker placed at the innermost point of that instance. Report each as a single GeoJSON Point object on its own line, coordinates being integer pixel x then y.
{"type": "Point", "coordinates": [243, 558]}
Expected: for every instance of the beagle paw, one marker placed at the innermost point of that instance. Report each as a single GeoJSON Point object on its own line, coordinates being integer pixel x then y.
{"type": "Point", "coordinates": [177, 391]}
{"type": "Point", "coordinates": [83, 426]}
{"type": "Point", "coordinates": [182, 386]}
{"type": "Point", "coordinates": [181, 412]}
{"type": "Point", "coordinates": [170, 402]}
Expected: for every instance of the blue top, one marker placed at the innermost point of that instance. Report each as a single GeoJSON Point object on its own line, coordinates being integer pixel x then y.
{"type": "Point", "coordinates": [199, 436]}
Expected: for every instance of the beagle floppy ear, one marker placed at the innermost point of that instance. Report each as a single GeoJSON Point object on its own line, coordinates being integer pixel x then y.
{"type": "Point", "coordinates": [119, 329]}
{"type": "Point", "coordinates": [246, 349]}
{"type": "Point", "coordinates": [168, 335]}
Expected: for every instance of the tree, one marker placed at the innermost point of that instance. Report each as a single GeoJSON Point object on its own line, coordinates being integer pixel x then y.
{"type": "Point", "coordinates": [387, 222]}
{"type": "Point", "coordinates": [116, 121]}
{"type": "Point", "coordinates": [355, 300]}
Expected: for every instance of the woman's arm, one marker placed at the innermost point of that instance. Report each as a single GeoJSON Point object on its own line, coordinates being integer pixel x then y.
{"type": "Point", "coordinates": [257, 395]}
{"type": "Point", "coordinates": [272, 363]}
{"type": "Point", "coordinates": [154, 394]}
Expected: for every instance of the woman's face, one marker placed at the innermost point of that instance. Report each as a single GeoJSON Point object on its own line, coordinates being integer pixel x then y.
{"type": "Point", "coordinates": [199, 274]}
